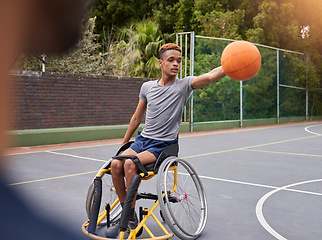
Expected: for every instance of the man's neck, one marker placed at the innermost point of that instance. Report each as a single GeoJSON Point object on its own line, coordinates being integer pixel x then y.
{"type": "Point", "coordinates": [166, 80]}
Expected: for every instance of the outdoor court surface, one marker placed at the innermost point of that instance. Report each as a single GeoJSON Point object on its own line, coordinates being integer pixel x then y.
{"type": "Point", "coordinates": [261, 182]}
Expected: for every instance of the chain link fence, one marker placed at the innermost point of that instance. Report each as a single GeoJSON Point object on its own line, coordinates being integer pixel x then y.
{"type": "Point", "coordinates": [279, 90]}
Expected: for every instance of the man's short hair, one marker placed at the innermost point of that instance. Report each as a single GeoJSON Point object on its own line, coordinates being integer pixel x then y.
{"type": "Point", "coordinates": [168, 46]}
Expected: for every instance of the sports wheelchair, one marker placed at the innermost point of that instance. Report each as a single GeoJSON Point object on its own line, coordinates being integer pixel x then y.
{"type": "Point", "coordinates": [180, 195]}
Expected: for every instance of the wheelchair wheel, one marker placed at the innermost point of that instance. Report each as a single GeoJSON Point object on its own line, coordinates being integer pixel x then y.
{"type": "Point", "coordinates": [184, 207]}
{"type": "Point", "coordinates": [109, 196]}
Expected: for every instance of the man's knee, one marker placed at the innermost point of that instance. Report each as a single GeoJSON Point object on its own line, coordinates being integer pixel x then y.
{"type": "Point", "coordinates": [130, 167]}
{"type": "Point", "coordinates": [117, 166]}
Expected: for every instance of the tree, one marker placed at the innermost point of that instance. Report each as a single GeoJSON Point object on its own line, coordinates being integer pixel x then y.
{"type": "Point", "coordinates": [118, 13]}
{"type": "Point", "coordinates": [164, 14]}
{"type": "Point", "coordinates": [276, 25]}
{"type": "Point", "coordinates": [139, 45]}
{"type": "Point", "coordinates": [184, 19]}
{"type": "Point", "coordinates": [217, 22]}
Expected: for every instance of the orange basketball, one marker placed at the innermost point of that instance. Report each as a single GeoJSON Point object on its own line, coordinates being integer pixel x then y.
{"type": "Point", "coordinates": [241, 60]}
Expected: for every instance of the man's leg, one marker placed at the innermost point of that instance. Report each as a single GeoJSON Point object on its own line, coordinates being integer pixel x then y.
{"type": "Point", "coordinates": [117, 171]}
{"type": "Point", "coordinates": [130, 168]}
{"type": "Point", "coordinates": [126, 167]}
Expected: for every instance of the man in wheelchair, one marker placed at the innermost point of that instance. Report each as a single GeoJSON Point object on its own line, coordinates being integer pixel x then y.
{"type": "Point", "coordinates": [162, 101]}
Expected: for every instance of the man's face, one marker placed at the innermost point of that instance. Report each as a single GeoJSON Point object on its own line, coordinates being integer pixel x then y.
{"type": "Point", "coordinates": [170, 63]}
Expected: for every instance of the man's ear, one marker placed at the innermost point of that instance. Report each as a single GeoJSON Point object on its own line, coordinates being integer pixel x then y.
{"type": "Point", "coordinates": [160, 62]}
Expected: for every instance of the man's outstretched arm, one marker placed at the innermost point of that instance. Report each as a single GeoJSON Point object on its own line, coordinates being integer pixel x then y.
{"type": "Point", "coordinates": [212, 76]}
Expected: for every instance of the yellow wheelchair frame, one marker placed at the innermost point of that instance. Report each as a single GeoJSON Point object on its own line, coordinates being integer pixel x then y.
{"type": "Point", "coordinates": [177, 193]}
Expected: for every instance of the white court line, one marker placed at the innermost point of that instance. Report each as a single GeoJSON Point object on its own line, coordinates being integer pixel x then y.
{"type": "Point", "coordinates": [257, 185]}
{"type": "Point", "coordinates": [285, 153]}
{"type": "Point", "coordinates": [51, 178]}
{"type": "Point", "coordinates": [75, 156]}
{"type": "Point", "coordinates": [60, 149]}
{"type": "Point", "coordinates": [259, 208]}
{"type": "Point", "coordinates": [306, 129]}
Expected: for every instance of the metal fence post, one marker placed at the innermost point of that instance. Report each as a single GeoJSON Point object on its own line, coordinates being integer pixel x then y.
{"type": "Point", "coordinates": [181, 63]}
{"type": "Point", "coordinates": [185, 67]}
{"type": "Point", "coordinates": [307, 90]}
{"type": "Point", "coordinates": [43, 66]}
{"type": "Point", "coordinates": [177, 35]}
{"type": "Point", "coordinates": [241, 102]}
{"type": "Point", "coordinates": [278, 86]}
{"type": "Point", "coordinates": [192, 53]}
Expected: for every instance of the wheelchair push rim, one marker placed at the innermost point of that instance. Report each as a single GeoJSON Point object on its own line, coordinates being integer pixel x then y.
{"type": "Point", "coordinates": [184, 207]}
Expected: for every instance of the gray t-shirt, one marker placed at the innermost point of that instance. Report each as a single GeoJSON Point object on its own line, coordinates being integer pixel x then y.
{"type": "Point", "coordinates": [164, 107]}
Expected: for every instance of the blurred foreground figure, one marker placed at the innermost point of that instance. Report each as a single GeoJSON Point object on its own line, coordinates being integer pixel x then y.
{"type": "Point", "coordinates": [29, 26]}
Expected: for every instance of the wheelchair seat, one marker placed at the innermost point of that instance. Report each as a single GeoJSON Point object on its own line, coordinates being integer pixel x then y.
{"type": "Point", "coordinates": [171, 150]}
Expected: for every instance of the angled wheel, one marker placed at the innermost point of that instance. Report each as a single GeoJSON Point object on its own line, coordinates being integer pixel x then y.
{"type": "Point", "coordinates": [184, 206]}
{"type": "Point", "coordinates": [109, 196]}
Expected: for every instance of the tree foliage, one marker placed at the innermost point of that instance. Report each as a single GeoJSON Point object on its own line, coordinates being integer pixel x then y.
{"type": "Point", "coordinates": [122, 38]}
{"type": "Point", "coordinates": [139, 46]}
{"type": "Point", "coordinates": [219, 22]}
